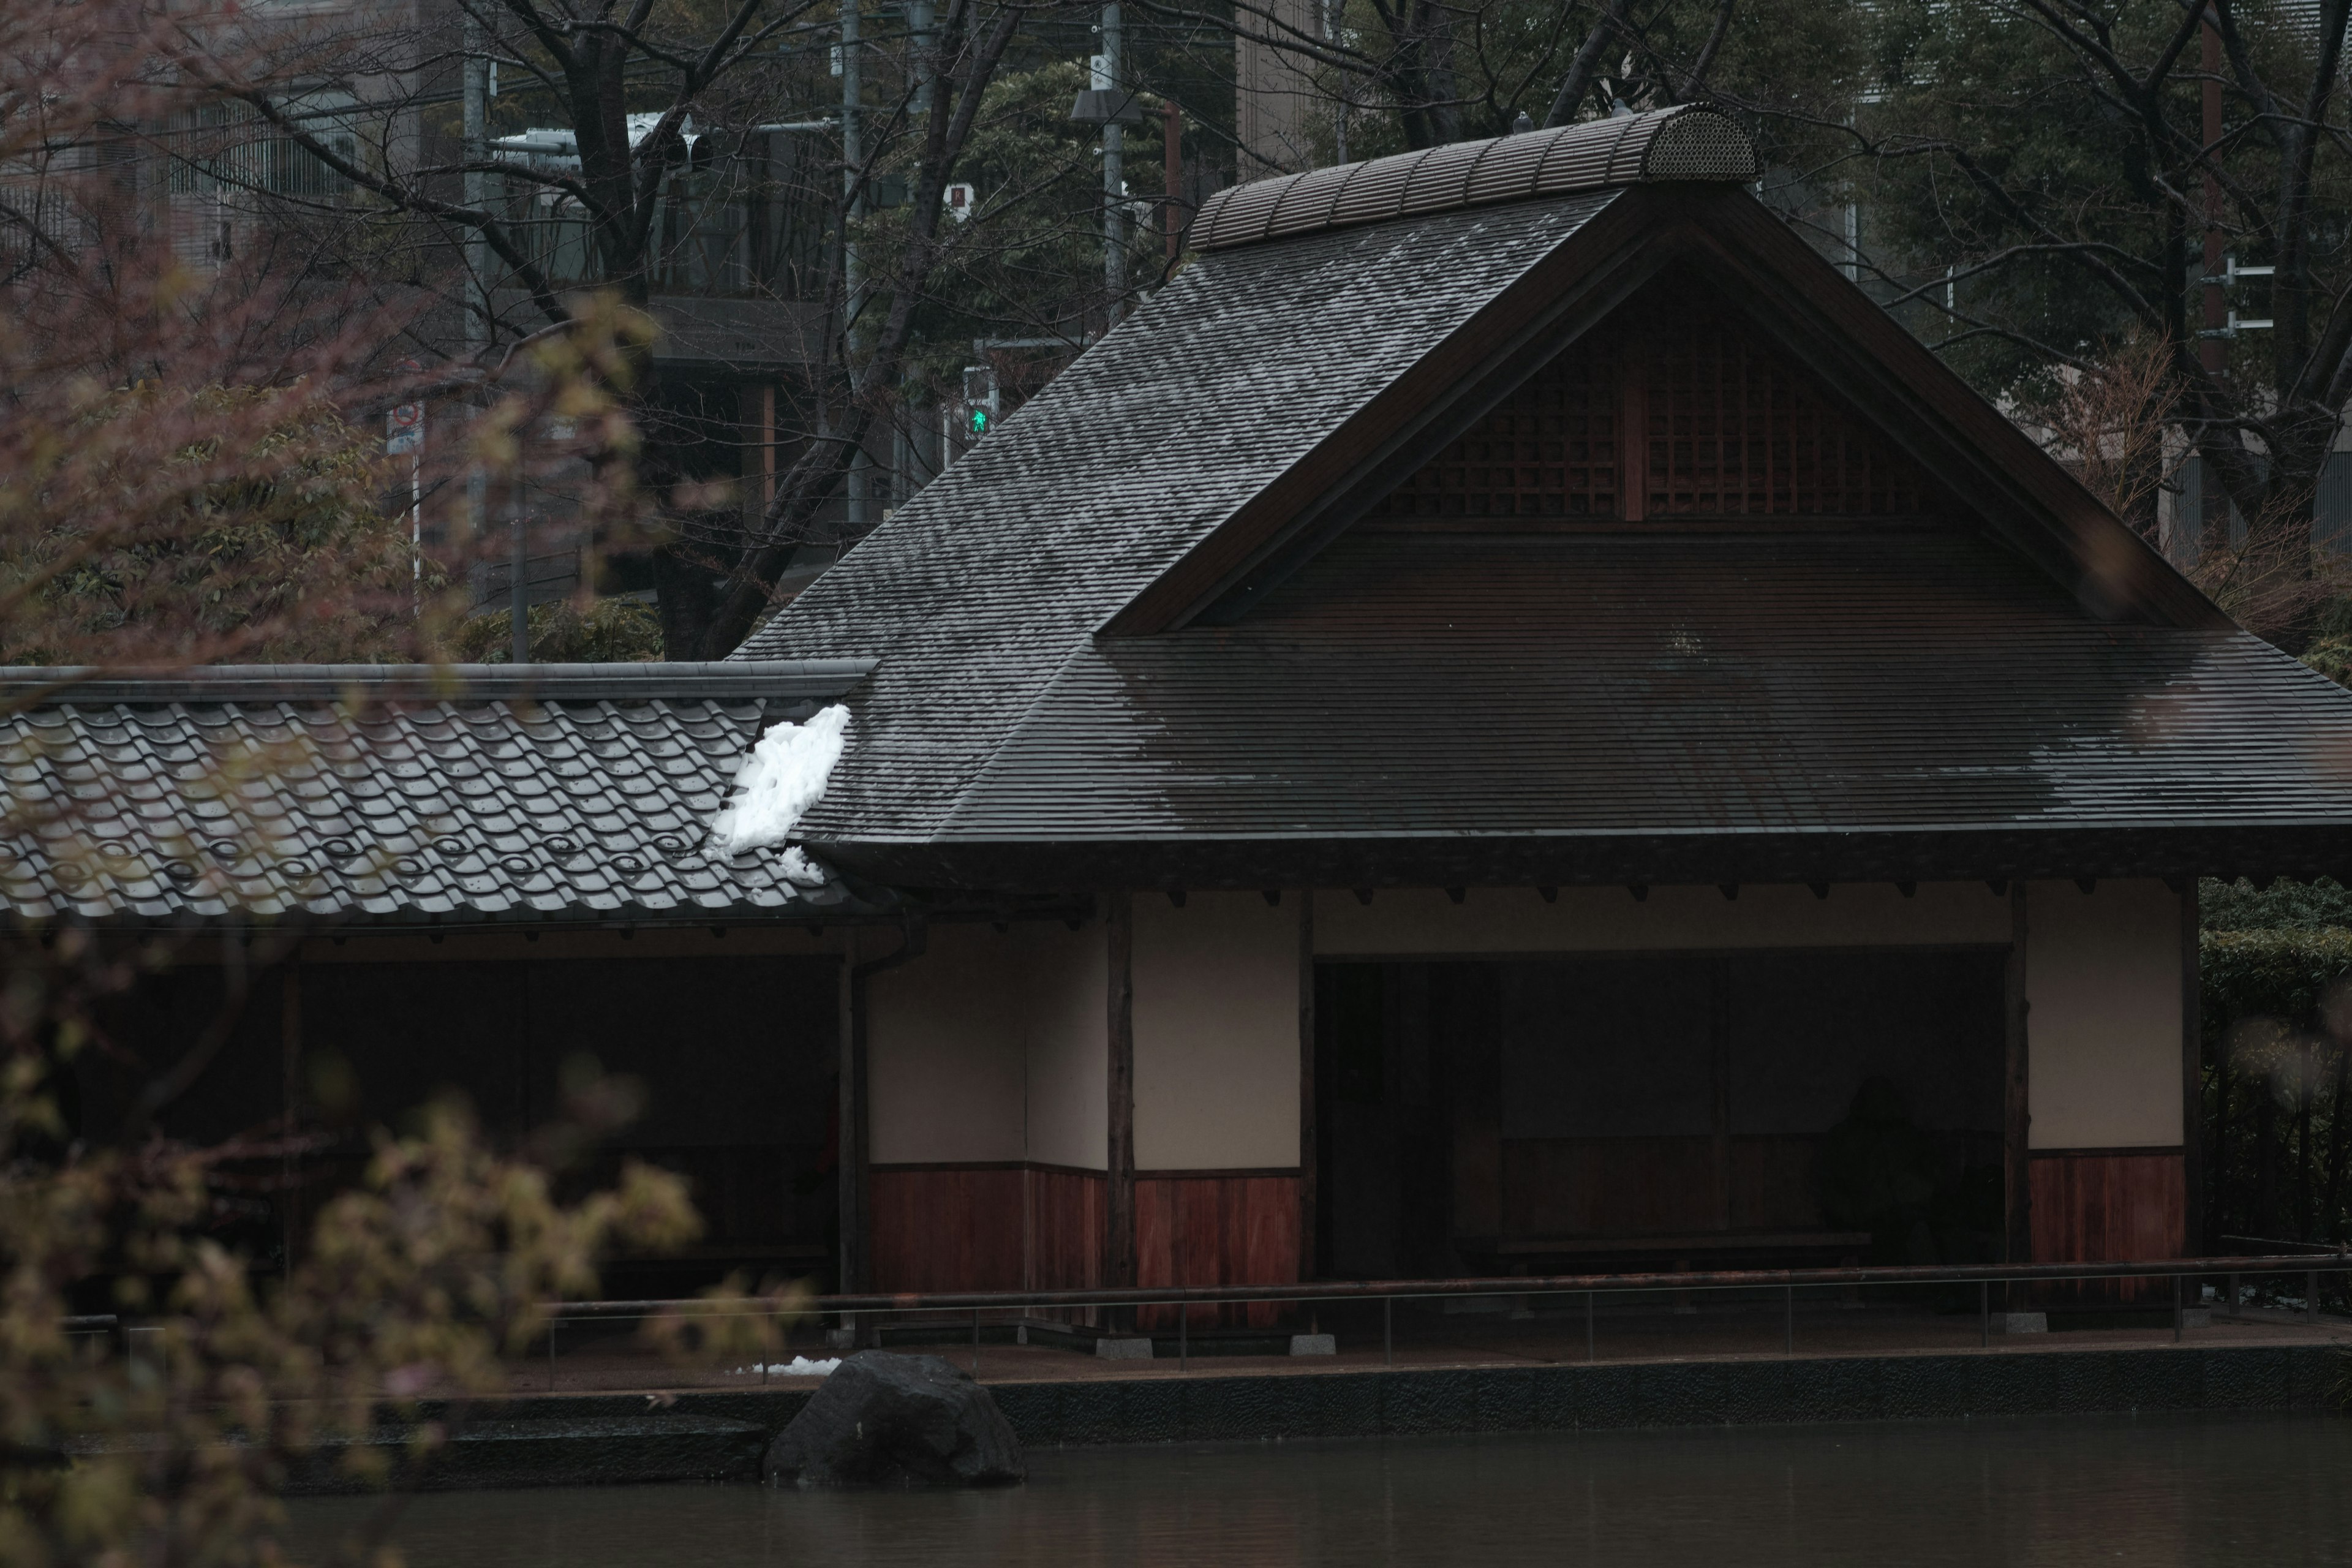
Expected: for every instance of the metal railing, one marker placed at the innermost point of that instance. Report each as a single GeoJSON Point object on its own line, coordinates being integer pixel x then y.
{"type": "Point", "coordinates": [857, 1312]}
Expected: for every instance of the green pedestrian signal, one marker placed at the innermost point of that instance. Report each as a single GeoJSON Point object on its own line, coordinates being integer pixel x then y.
{"type": "Point", "coordinates": [980, 403]}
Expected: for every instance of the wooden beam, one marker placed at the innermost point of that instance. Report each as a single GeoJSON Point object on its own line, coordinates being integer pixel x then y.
{"type": "Point", "coordinates": [1118, 1250]}
{"type": "Point", "coordinates": [1307, 1131]}
{"type": "Point", "coordinates": [2016, 1119]}
{"type": "Point", "coordinates": [2192, 1079]}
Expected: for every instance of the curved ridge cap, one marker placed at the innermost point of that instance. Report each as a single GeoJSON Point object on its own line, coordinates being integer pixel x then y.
{"type": "Point", "coordinates": [1673, 135]}
{"type": "Point", "coordinates": [1204, 221]}
{"type": "Point", "coordinates": [1647, 129]}
{"type": "Point", "coordinates": [1328, 180]}
{"type": "Point", "coordinates": [1620, 147]}
{"type": "Point", "coordinates": [1339, 193]}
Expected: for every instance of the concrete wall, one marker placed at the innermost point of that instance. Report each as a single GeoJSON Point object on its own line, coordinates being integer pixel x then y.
{"type": "Point", "coordinates": [1069, 1046]}
{"type": "Point", "coordinates": [946, 1057]}
{"type": "Point", "coordinates": [2103, 976]}
{"type": "Point", "coordinates": [992, 1047]}
{"type": "Point", "coordinates": [1217, 1033]}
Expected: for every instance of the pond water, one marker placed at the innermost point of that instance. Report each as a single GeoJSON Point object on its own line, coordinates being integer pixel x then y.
{"type": "Point", "coordinates": [2149, 1492]}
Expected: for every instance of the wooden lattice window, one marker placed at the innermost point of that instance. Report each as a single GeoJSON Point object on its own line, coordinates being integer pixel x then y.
{"type": "Point", "coordinates": [1551, 449]}
{"type": "Point", "coordinates": [1715, 422]}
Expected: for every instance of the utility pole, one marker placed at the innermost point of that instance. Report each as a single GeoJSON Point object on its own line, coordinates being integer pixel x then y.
{"type": "Point", "coordinates": [1173, 148]}
{"type": "Point", "coordinates": [921, 21]}
{"type": "Point", "coordinates": [2213, 344]}
{"type": "Point", "coordinates": [853, 279]}
{"type": "Point", "coordinates": [476, 193]}
{"type": "Point", "coordinates": [476, 295]}
{"type": "Point", "coordinates": [1114, 158]}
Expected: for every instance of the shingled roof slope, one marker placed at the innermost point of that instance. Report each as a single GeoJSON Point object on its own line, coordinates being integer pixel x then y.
{"type": "Point", "coordinates": [989, 581]}
{"type": "Point", "coordinates": [391, 796]}
{"type": "Point", "coordinates": [1077, 680]}
{"type": "Point", "coordinates": [1598, 706]}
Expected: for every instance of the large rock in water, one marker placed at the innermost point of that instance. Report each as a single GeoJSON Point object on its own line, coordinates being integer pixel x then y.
{"type": "Point", "coordinates": [884, 1420]}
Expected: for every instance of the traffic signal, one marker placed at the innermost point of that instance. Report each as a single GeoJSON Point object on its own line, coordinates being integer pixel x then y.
{"type": "Point", "coordinates": [980, 401]}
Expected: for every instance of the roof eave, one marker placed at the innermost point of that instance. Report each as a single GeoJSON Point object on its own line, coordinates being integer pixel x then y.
{"type": "Point", "coordinates": [1648, 856]}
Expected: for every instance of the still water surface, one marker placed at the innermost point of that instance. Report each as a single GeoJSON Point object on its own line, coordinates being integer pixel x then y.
{"type": "Point", "coordinates": [2148, 1492]}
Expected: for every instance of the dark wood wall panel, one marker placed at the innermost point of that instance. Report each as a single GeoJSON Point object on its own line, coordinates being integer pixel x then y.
{"type": "Point", "coordinates": [949, 1228]}
{"type": "Point", "coordinates": [2094, 1206]}
{"type": "Point", "coordinates": [988, 1228]}
{"type": "Point", "coordinates": [1207, 1228]}
{"type": "Point", "coordinates": [1066, 1210]}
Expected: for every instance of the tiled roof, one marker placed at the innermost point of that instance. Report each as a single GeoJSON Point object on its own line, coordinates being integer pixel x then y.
{"type": "Point", "coordinates": [363, 795]}
{"type": "Point", "coordinates": [1851, 704]}
{"type": "Point", "coordinates": [991, 580]}
{"type": "Point", "coordinates": [1111, 652]}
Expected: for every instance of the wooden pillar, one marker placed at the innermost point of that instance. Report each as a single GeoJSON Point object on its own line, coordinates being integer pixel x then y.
{"type": "Point", "coordinates": [1719, 1084]}
{"type": "Point", "coordinates": [1633, 444]}
{"type": "Point", "coordinates": [849, 1138]}
{"type": "Point", "coordinates": [1309, 1157]}
{"type": "Point", "coordinates": [289, 1053]}
{"type": "Point", "coordinates": [2192, 1079]}
{"type": "Point", "coordinates": [2016, 1119]}
{"type": "Point", "coordinates": [1118, 1247]}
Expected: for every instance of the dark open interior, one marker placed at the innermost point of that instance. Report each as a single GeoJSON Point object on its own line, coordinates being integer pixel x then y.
{"type": "Point", "coordinates": [1657, 1111]}
{"type": "Point", "coordinates": [736, 1058]}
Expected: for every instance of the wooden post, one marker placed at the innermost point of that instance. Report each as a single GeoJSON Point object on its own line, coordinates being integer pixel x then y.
{"type": "Point", "coordinates": [1118, 1246]}
{"type": "Point", "coordinates": [1719, 1084]}
{"type": "Point", "coordinates": [849, 1134]}
{"type": "Point", "coordinates": [1309, 1157]}
{"type": "Point", "coordinates": [2192, 1079]}
{"type": "Point", "coordinates": [1632, 444]}
{"type": "Point", "coordinates": [290, 1051]}
{"type": "Point", "coordinates": [2016, 1116]}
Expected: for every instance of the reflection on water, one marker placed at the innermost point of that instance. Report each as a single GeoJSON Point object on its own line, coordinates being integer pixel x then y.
{"type": "Point", "coordinates": [2149, 1492]}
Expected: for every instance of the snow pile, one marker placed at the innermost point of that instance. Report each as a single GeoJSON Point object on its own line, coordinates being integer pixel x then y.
{"type": "Point", "coordinates": [785, 775]}
{"type": "Point", "coordinates": [800, 1366]}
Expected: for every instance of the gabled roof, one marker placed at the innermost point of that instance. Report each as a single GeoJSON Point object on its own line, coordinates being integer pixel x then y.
{"type": "Point", "coordinates": [375, 794]}
{"type": "Point", "coordinates": [1099, 660]}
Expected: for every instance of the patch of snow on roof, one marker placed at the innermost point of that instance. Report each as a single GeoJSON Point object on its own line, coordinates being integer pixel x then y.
{"type": "Point", "coordinates": [785, 775]}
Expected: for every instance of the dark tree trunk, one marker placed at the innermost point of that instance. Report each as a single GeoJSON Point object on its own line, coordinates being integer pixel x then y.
{"type": "Point", "coordinates": [689, 592]}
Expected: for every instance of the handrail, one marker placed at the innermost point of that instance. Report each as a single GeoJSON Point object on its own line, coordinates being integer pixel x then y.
{"type": "Point", "coordinates": [1508, 1285]}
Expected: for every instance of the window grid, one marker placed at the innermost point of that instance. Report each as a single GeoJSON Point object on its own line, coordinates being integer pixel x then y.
{"type": "Point", "coordinates": [1548, 450]}
{"type": "Point", "coordinates": [1725, 427]}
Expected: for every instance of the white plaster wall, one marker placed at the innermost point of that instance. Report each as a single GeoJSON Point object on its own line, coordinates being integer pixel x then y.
{"type": "Point", "coordinates": [945, 1051]}
{"type": "Point", "coordinates": [2103, 1023]}
{"type": "Point", "coordinates": [1067, 1045]}
{"type": "Point", "coordinates": [1216, 1032]}
{"type": "Point", "coordinates": [1422, 921]}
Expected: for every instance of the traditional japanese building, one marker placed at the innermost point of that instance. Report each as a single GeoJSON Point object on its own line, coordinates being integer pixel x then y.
{"type": "Point", "coordinates": [1508, 718]}
{"type": "Point", "coordinates": [1557, 703]}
